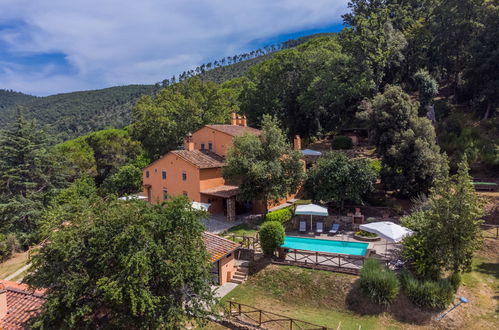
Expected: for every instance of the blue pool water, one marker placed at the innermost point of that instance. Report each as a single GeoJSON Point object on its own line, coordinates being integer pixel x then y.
{"type": "Point", "coordinates": [323, 245]}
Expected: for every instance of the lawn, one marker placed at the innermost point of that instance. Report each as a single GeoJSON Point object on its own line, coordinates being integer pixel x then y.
{"type": "Point", "coordinates": [9, 266]}
{"type": "Point", "coordinates": [243, 229]}
{"type": "Point", "coordinates": [332, 299]}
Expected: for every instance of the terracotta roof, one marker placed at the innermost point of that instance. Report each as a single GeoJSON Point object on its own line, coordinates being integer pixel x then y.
{"type": "Point", "coordinates": [201, 159]}
{"type": "Point", "coordinates": [235, 129]}
{"type": "Point", "coordinates": [22, 304]}
{"type": "Point", "coordinates": [217, 246]}
{"type": "Point", "coordinates": [224, 191]}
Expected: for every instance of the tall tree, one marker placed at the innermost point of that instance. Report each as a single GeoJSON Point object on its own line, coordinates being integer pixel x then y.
{"type": "Point", "coordinates": [30, 173]}
{"type": "Point", "coordinates": [335, 178]}
{"type": "Point", "coordinates": [161, 123]}
{"type": "Point", "coordinates": [265, 166]}
{"type": "Point", "coordinates": [407, 144]}
{"type": "Point", "coordinates": [116, 264]}
{"type": "Point", "coordinates": [447, 231]}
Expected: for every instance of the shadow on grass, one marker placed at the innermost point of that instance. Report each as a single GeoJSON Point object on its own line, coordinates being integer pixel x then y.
{"type": "Point", "coordinates": [488, 268]}
{"type": "Point", "coordinates": [258, 265]}
{"type": "Point", "coordinates": [401, 309]}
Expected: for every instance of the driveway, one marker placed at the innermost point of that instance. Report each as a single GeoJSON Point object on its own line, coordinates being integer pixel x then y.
{"type": "Point", "coordinates": [217, 223]}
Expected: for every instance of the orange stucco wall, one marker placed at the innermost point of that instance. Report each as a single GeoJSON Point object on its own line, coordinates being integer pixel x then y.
{"type": "Point", "coordinates": [174, 167]}
{"type": "Point", "coordinates": [226, 269]}
{"type": "Point", "coordinates": [221, 141]}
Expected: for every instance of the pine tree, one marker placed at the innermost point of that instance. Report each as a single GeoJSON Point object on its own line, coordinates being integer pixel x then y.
{"type": "Point", "coordinates": [29, 175]}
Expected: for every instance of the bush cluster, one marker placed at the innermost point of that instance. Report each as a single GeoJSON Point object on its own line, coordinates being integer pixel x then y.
{"type": "Point", "coordinates": [429, 294]}
{"type": "Point", "coordinates": [365, 233]}
{"type": "Point", "coordinates": [341, 142]}
{"type": "Point", "coordinates": [378, 283]}
{"type": "Point", "coordinates": [271, 236]}
{"type": "Point", "coordinates": [282, 215]}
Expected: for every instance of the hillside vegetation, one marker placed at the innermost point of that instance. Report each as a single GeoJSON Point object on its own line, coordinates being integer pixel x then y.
{"type": "Point", "coordinates": [78, 113]}
{"type": "Point", "coordinates": [9, 98]}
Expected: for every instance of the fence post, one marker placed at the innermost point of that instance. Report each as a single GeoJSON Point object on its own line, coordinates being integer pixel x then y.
{"type": "Point", "coordinates": [339, 262]}
{"type": "Point", "coordinates": [260, 318]}
{"type": "Point", "coordinates": [316, 258]}
{"type": "Point", "coordinates": [239, 309]}
{"type": "Point", "coordinates": [291, 324]}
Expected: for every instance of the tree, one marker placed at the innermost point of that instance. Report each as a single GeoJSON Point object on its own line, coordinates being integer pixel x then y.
{"type": "Point", "coordinates": [271, 236]}
{"type": "Point", "coordinates": [127, 179]}
{"type": "Point", "coordinates": [30, 174]}
{"type": "Point", "coordinates": [334, 178]}
{"type": "Point", "coordinates": [447, 232]}
{"type": "Point", "coordinates": [311, 89]}
{"type": "Point", "coordinates": [99, 154]}
{"type": "Point", "coordinates": [265, 166]}
{"type": "Point", "coordinates": [406, 143]}
{"type": "Point", "coordinates": [427, 87]}
{"type": "Point", "coordinates": [124, 264]}
{"type": "Point", "coordinates": [161, 123]}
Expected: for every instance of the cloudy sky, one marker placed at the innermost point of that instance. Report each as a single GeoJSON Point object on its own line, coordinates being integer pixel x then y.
{"type": "Point", "coordinates": [54, 46]}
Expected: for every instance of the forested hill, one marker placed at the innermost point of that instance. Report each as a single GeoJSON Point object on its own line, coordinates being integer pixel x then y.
{"type": "Point", "coordinates": [73, 114]}
{"type": "Point", "coordinates": [9, 98]}
{"type": "Point", "coordinates": [77, 113]}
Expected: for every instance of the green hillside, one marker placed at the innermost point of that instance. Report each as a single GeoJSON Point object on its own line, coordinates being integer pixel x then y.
{"type": "Point", "coordinates": [77, 113]}
{"type": "Point", "coordinates": [10, 98]}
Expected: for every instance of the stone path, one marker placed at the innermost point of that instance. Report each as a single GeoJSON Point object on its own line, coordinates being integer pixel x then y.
{"type": "Point", "coordinates": [217, 224]}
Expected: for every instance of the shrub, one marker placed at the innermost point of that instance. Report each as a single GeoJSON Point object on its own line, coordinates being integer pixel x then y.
{"type": "Point", "coordinates": [428, 294]}
{"type": "Point", "coordinates": [376, 166]}
{"type": "Point", "coordinates": [341, 142]}
{"type": "Point", "coordinates": [8, 244]}
{"type": "Point", "coordinates": [365, 233]}
{"type": "Point", "coordinates": [455, 280]}
{"type": "Point", "coordinates": [271, 236]}
{"type": "Point", "coordinates": [378, 283]}
{"type": "Point", "coordinates": [282, 215]}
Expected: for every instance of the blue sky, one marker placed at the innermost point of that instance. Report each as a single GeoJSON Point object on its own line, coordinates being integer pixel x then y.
{"type": "Point", "coordinates": [56, 46]}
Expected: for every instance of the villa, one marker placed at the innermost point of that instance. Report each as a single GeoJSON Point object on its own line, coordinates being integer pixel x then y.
{"type": "Point", "coordinates": [196, 171]}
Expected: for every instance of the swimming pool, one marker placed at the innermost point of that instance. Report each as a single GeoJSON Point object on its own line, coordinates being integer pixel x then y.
{"type": "Point", "coordinates": [325, 245]}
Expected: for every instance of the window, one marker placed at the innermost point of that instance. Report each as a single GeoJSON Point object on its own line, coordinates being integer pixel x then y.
{"type": "Point", "coordinates": [184, 176]}
{"type": "Point", "coordinates": [210, 146]}
{"type": "Point", "coordinates": [147, 174]}
{"type": "Point", "coordinates": [202, 146]}
{"type": "Point", "coordinates": [163, 175]}
{"type": "Point", "coordinates": [165, 194]}
{"type": "Point", "coordinates": [155, 170]}
{"type": "Point", "coordinates": [184, 193]}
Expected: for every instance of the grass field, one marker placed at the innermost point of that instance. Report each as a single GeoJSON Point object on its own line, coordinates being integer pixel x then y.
{"type": "Point", "coordinates": [333, 300]}
{"type": "Point", "coordinates": [9, 266]}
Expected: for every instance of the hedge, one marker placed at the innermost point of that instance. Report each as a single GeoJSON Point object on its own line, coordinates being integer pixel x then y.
{"type": "Point", "coordinates": [341, 142]}
{"type": "Point", "coordinates": [271, 236]}
{"type": "Point", "coordinates": [378, 283]}
{"type": "Point", "coordinates": [282, 215]}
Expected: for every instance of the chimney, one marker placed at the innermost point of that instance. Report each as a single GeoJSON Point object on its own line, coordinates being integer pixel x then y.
{"type": "Point", "coordinates": [188, 144]}
{"type": "Point", "coordinates": [3, 301]}
{"type": "Point", "coordinates": [244, 122]}
{"type": "Point", "coordinates": [233, 119]}
{"type": "Point", "coordinates": [297, 143]}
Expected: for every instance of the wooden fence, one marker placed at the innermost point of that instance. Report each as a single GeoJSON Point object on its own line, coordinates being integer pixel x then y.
{"type": "Point", "coordinates": [247, 242]}
{"type": "Point", "coordinates": [490, 231]}
{"type": "Point", "coordinates": [261, 318]}
{"type": "Point", "coordinates": [341, 263]}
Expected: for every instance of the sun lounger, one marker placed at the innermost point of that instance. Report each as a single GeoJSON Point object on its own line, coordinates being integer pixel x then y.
{"type": "Point", "coordinates": [303, 227]}
{"type": "Point", "coordinates": [319, 227]}
{"type": "Point", "coordinates": [334, 229]}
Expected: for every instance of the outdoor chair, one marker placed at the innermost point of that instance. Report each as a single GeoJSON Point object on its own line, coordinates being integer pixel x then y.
{"type": "Point", "coordinates": [303, 227]}
{"type": "Point", "coordinates": [334, 229]}
{"type": "Point", "coordinates": [319, 227]}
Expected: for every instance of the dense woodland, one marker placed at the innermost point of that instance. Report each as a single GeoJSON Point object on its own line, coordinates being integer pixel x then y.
{"type": "Point", "coordinates": [420, 76]}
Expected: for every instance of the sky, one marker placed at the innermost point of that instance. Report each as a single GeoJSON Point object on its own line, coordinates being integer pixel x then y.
{"type": "Point", "coordinates": [56, 46]}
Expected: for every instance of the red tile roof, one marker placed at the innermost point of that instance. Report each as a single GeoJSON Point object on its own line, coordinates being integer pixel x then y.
{"type": "Point", "coordinates": [217, 246]}
{"type": "Point", "coordinates": [235, 130]}
{"type": "Point", "coordinates": [201, 159]}
{"type": "Point", "coordinates": [224, 191]}
{"type": "Point", "coordinates": [22, 304]}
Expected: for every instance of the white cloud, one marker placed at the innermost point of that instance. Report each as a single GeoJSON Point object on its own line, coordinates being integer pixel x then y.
{"type": "Point", "coordinates": [109, 42]}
